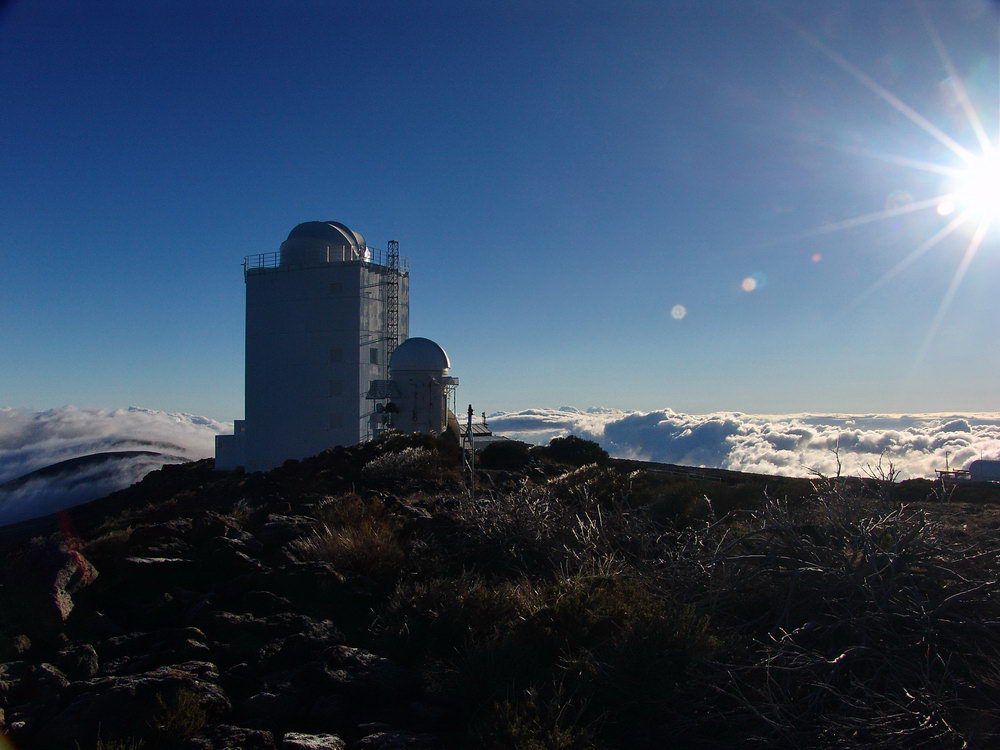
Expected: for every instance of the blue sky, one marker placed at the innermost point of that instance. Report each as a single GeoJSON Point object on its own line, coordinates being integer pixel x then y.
{"type": "Point", "coordinates": [560, 176]}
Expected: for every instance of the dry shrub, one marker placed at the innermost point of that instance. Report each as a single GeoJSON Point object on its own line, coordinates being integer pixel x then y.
{"type": "Point", "coordinates": [419, 464]}
{"type": "Point", "coordinates": [437, 616]}
{"type": "Point", "coordinates": [178, 718]}
{"type": "Point", "coordinates": [533, 721]}
{"type": "Point", "coordinates": [870, 627]}
{"type": "Point", "coordinates": [356, 536]}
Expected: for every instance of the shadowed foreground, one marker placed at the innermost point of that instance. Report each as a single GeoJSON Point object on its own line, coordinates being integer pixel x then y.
{"type": "Point", "coordinates": [361, 599]}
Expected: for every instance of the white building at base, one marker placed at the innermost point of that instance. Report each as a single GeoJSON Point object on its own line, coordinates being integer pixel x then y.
{"type": "Point", "coordinates": [323, 314]}
{"type": "Point", "coordinates": [415, 397]}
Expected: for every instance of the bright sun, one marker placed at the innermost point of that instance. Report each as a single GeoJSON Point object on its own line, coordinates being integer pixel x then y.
{"type": "Point", "coordinates": [977, 188]}
{"type": "Point", "coordinates": [971, 189]}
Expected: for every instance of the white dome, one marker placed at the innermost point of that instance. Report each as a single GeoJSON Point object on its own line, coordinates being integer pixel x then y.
{"type": "Point", "coordinates": [419, 354]}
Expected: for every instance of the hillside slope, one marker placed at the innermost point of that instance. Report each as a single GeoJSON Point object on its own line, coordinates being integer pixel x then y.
{"type": "Point", "coordinates": [362, 599]}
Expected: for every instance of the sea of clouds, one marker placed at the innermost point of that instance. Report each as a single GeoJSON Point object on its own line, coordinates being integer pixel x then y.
{"type": "Point", "coordinates": [31, 440]}
{"type": "Point", "coordinates": [787, 444]}
{"type": "Point", "coordinates": [790, 444]}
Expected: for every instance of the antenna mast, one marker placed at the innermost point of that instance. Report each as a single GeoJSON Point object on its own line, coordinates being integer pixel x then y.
{"type": "Point", "coordinates": [391, 281]}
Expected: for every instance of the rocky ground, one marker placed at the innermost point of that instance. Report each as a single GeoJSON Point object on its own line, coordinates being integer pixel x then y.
{"type": "Point", "coordinates": [180, 616]}
{"type": "Point", "coordinates": [351, 601]}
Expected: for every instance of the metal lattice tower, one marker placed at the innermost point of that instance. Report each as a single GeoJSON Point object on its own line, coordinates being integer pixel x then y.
{"type": "Point", "coordinates": [391, 281]}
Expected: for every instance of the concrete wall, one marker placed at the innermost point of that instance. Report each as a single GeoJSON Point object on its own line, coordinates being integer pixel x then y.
{"type": "Point", "coordinates": [421, 402]}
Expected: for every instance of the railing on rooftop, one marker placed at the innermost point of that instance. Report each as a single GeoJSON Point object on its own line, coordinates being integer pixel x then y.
{"type": "Point", "coordinates": [319, 257]}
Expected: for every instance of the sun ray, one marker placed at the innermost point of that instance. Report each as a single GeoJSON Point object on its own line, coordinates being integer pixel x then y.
{"type": "Point", "coordinates": [857, 221]}
{"type": "Point", "coordinates": [903, 161]}
{"type": "Point", "coordinates": [926, 245]}
{"type": "Point", "coordinates": [883, 93]}
{"type": "Point", "coordinates": [963, 95]}
{"type": "Point", "coordinates": [956, 281]}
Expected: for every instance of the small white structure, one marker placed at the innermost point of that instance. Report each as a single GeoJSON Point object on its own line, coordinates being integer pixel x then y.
{"type": "Point", "coordinates": [323, 314]}
{"type": "Point", "coordinates": [415, 397]}
{"type": "Point", "coordinates": [984, 471]}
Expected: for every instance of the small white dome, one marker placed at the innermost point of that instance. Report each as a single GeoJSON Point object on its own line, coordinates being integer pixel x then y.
{"type": "Point", "coordinates": [419, 354]}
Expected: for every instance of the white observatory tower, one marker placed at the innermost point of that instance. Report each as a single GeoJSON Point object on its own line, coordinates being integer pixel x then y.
{"type": "Point", "coordinates": [323, 314]}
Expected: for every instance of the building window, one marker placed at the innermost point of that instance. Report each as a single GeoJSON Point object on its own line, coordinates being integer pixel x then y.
{"type": "Point", "coordinates": [336, 421]}
{"type": "Point", "coordinates": [336, 287]}
{"type": "Point", "coordinates": [336, 388]}
{"type": "Point", "coordinates": [373, 355]}
{"type": "Point", "coordinates": [336, 354]}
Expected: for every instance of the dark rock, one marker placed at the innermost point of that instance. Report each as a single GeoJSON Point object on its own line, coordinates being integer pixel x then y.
{"type": "Point", "coordinates": [299, 647]}
{"type": "Point", "coordinates": [44, 681]}
{"type": "Point", "coordinates": [97, 625]}
{"type": "Point", "coordinates": [399, 741]}
{"type": "Point", "coordinates": [228, 737]}
{"type": "Point", "coordinates": [371, 676]}
{"type": "Point", "coordinates": [299, 741]}
{"type": "Point", "coordinates": [134, 704]}
{"type": "Point", "coordinates": [141, 652]}
{"type": "Point", "coordinates": [311, 581]}
{"type": "Point", "coordinates": [159, 533]}
{"type": "Point", "coordinates": [227, 557]}
{"type": "Point", "coordinates": [266, 603]}
{"type": "Point", "coordinates": [14, 647]}
{"type": "Point", "coordinates": [79, 662]}
{"type": "Point", "coordinates": [282, 529]}
{"type": "Point", "coordinates": [241, 681]}
{"type": "Point", "coordinates": [46, 579]}
{"type": "Point", "coordinates": [328, 712]}
{"type": "Point", "coordinates": [162, 572]}
{"type": "Point", "coordinates": [211, 524]}
{"type": "Point", "coordinates": [270, 709]}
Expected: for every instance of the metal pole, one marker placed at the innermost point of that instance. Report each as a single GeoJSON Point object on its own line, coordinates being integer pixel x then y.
{"type": "Point", "coordinates": [472, 455]}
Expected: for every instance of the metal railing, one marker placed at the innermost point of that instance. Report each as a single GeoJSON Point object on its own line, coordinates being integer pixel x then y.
{"type": "Point", "coordinates": [320, 257]}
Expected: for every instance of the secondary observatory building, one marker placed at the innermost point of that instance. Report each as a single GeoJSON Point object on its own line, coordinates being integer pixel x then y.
{"type": "Point", "coordinates": [323, 316]}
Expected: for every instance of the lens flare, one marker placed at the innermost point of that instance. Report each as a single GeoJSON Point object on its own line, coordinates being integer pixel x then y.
{"type": "Point", "coordinates": [748, 284]}
{"type": "Point", "coordinates": [678, 312]}
{"type": "Point", "coordinates": [946, 207]}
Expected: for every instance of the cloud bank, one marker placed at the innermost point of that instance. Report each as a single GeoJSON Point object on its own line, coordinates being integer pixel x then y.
{"type": "Point", "coordinates": [787, 444]}
{"type": "Point", "coordinates": [33, 440]}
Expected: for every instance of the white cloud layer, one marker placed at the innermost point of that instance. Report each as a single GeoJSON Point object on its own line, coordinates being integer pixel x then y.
{"type": "Point", "coordinates": [32, 440]}
{"type": "Point", "coordinates": [788, 444]}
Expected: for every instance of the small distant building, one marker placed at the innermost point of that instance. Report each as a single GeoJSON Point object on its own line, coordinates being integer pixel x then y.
{"type": "Point", "coordinates": [984, 471]}
{"type": "Point", "coordinates": [415, 397]}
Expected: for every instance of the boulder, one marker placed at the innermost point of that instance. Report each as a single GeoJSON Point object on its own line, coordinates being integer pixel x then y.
{"type": "Point", "coordinates": [227, 557]}
{"type": "Point", "coordinates": [14, 647]}
{"type": "Point", "coordinates": [78, 662]}
{"type": "Point", "coordinates": [399, 741]}
{"type": "Point", "coordinates": [158, 533]}
{"type": "Point", "coordinates": [141, 652]}
{"type": "Point", "coordinates": [266, 603]}
{"type": "Point", "coordinates": [299, 741]}
{"type": "Point", "coordinates": [133, 705]}
{"type": "Point", "coordinates": [157, 572]}
{"type": "Point", "coordinates": [46, 578]}
{"type": "Point", "coordinates": [228, 737]}
{"type": "Point", "coordinates": [271, 709]}
{"type": "Point", "coordinates": [280, 530]}
{"type": "Point", "coordinates": [368, 675]}
{"type": "Point", "coordinates": [44, 681]}
{"type": "Point", "coordinates": [328, 712]}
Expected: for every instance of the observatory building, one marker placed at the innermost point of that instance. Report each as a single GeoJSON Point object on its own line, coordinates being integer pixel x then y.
{"type": "Point", "coordinates": [415, 396]}
{"type": "Point", "coordinates": [323, 316]}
